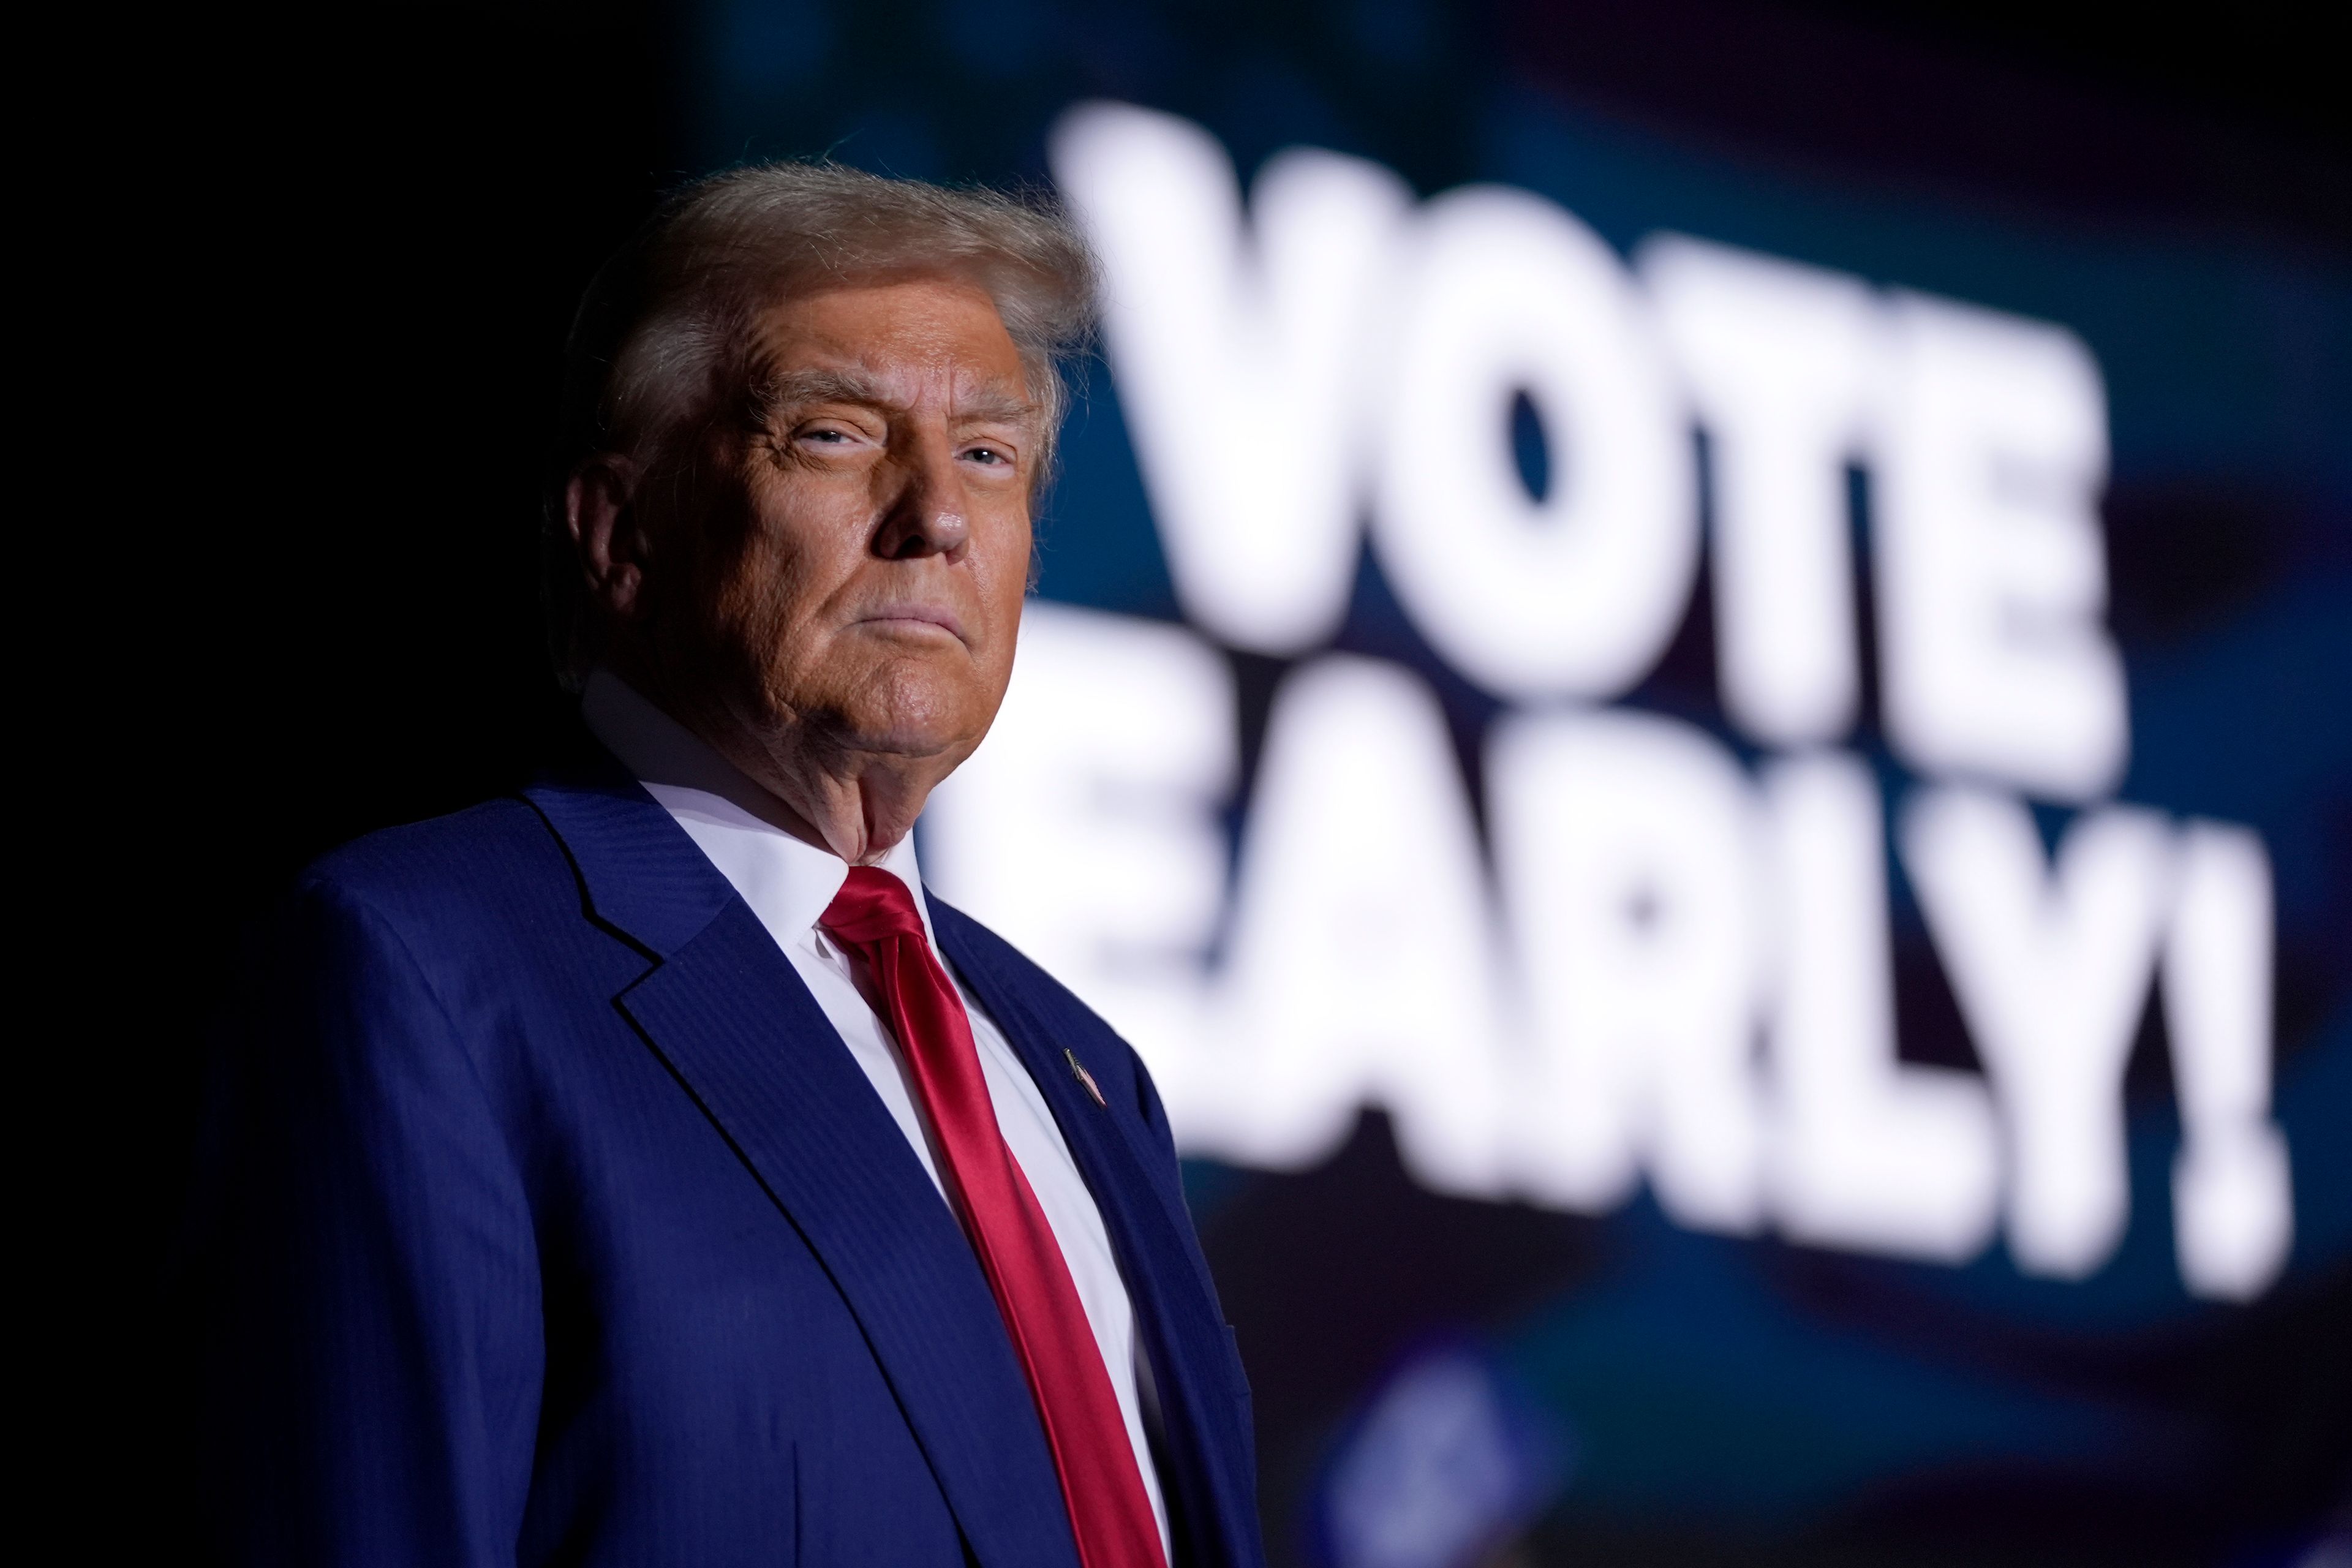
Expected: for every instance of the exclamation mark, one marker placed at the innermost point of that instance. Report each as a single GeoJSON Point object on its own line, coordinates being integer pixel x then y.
{"type": "Point", "coordinates": [2232, 1203]}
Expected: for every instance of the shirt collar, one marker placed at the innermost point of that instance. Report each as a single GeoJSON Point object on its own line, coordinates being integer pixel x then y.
{"type": "Point", "coordinates": [788, 881]}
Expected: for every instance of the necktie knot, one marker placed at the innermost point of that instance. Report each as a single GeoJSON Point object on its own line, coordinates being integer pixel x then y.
{"type": "Point", "coordinates": [872, 906]}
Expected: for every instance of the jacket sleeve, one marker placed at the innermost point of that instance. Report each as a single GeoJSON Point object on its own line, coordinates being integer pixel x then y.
{"type": "Point", "coordinates": [366, 1282]}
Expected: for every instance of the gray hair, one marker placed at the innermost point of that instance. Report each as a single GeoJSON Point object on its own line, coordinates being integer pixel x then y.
{"type": "Point", "coordinates": [662, 345]}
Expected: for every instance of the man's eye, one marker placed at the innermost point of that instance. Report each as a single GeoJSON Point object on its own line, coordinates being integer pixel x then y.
{"type": "Point", "coordinates": [988, 454]}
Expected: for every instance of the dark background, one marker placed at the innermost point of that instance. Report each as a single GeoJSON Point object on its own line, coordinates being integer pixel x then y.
{"type": "Point", "coordinates": [380, 223]}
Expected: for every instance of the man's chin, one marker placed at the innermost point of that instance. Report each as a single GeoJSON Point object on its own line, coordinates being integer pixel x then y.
{"type": "Point", "coordinates": [910, 744]}
{"type": "Point", "coordinates": [915, 731]}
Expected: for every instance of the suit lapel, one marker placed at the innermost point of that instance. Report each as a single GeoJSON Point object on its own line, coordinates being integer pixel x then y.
{"type": "Point", "coordinates": [1201, 1404]}
{"type": "Point", "coordinates": [727, 1014]}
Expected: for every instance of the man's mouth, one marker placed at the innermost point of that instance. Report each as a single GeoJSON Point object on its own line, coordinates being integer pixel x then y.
{"type": "Point", "coordinates": [916, 618]}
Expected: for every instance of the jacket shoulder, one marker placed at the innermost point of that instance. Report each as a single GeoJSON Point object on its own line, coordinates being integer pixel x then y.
{"type": "Point", "coordinates": [481, 861]}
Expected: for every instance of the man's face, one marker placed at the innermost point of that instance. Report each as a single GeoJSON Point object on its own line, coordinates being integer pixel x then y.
{"type": "Point", "coordinates": [859, 580]}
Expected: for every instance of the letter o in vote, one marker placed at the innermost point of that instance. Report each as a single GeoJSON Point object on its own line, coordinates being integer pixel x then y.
{"type": "Point", "coordinates": [1576, 593]}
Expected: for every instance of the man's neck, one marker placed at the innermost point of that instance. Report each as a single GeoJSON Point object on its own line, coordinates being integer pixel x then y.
{"type": "Point", "coordinates": [853, 806]}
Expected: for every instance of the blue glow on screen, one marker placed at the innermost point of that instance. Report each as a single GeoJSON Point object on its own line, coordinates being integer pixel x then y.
{"type": "Point", "coordinates": [1708, 1383]}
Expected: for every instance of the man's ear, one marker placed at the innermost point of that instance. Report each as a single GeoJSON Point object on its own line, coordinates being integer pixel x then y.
{"type": "Point", "coordinates": [601, 510]}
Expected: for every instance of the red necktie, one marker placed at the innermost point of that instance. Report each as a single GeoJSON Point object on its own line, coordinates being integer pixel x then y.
{"type": "Point", "coordinates": [873, 917]}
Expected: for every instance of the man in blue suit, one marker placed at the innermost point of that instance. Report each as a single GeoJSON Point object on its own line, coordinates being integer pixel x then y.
{"type": "Point", "coordinates": [645, 1170]}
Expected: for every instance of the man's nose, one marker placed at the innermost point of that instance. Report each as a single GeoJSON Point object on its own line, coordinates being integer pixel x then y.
{"type": "Point", "coordinates": [926, 516]}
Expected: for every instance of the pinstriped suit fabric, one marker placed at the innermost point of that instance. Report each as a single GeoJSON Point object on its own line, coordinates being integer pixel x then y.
{"type": "Point", "coordinates": [544, 1219]}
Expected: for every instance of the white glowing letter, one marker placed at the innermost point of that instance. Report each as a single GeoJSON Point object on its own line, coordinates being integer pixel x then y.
{"type": "Point", "coordinates": [2052, 974]}
{"type": "Point", "coordinates": [2232, 1202]}
{"type": "Point", "coordinates": [1627, 850]}
{"type": "Point", "coordinates": [1577, 594]}
{"type": "Point", "coordinates": [1991, 570]}
{"type": "Point", "coordinates": [1084, 828]}
{"type": "Point", "coordinates": [1239, 353]}
{"type": "Point", "coordinates": [1779, 360]}
{"type": "Point", "coordinates": [1360, 963]}
{"type": "Point", "coordinates": [1870, 1152]}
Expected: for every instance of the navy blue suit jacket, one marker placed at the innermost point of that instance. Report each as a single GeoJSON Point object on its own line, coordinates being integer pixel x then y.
{"type": "Point", "coordinates": [546, 1219]}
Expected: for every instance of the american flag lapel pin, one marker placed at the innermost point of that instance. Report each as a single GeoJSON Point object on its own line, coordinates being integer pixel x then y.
{"type": "Point", "coordinates": [1084, 1077]}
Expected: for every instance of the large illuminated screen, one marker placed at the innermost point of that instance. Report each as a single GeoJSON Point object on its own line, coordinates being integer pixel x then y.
{"type": "Point", "coordinates": [1668, 962]}
{"type": "Point", "coordinates": [1714, 785]}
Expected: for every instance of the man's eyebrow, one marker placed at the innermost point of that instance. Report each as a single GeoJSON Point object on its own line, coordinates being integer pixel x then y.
{"type": "Point", "coordinates": [829, 386]}
{"type": "Point", "coordinates": [992, 400]}
{"type": "Point", "coordinates": [995, 401]}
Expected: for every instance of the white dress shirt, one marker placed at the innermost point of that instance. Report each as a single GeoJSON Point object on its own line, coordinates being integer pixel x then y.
{"type": "Point", "coordinates": [789, 883]}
